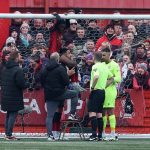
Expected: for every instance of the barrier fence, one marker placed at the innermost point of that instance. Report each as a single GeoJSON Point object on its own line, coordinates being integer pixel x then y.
{"type": "Point", "coordinates": [131, 30]}
{"type": "Point", "coordinates": [124, 118]}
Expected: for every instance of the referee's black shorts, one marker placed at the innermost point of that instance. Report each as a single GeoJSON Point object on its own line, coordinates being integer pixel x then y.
{"type": "Point", "coordinates": [96, 101]}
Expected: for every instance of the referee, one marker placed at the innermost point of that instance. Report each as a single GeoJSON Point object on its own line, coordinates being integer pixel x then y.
{"type": "Point", "coordinates": [99, 76]}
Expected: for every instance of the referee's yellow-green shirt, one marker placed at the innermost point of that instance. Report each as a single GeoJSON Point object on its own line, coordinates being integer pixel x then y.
{"type": "Point", "coordinates": [101, 70]}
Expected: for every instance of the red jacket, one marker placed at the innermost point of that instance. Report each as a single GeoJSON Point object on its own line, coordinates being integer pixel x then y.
{"type": "Point", "coordinates": [114, 41]}
{"type": "Point", "coordinates": [55, 42]}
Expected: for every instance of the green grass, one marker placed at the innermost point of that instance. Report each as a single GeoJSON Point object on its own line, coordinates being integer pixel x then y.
{"type": "Point", "coordinates": [43, 144]}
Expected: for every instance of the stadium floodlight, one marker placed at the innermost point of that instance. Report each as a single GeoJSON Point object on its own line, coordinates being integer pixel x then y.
{"type": "Point", "coordinates": [76, 16]}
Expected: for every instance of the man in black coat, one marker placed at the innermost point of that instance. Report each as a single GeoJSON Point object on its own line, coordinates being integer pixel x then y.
{"type": "Point", "coordinates": [55, 81]}
{"type": "Point", "coordinates": [12, 86]}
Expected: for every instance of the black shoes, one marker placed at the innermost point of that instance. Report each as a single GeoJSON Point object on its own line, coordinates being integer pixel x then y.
{"type": "Point", "coordinates": [93, 138]}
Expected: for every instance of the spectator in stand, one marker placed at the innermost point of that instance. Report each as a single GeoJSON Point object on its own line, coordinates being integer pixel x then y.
{"type": "Point", "coordinates": [25, 37]}
{"type": "Point", "coordinates": [147, 44]}
{"type": "Point", "coordinates": [12, 92]}
{"type": "Point", "coordinates": [137, 38]}
{"type": "Point", "coordinates": [124, 50]}
{"type": "Point", "coordinates": [31, 64]}
{"type": "Point", "coordinates": [117, 21]}
{"type": "Point", "coordinates": [86, 69]}
{"type": "Point", "coordinates": [44, 56]}
{"type": "Point", "coordinates": [4, 57]}
{"type": "Point", "coordinates": [93, 30]}
{"type": "Point", "coordinates": [118, 31]}
{"type": "Point", "coordinates": [130, 22]}
{"type": "Point", "coordinates": [24, 40]}
{"type": "Point", "coordinates": [69, 45]}
{"type": "Point", "coordinates": [89, 48]}
{"type": "Point", "coordinates": [10, 45]}
{"type": "Point", "coordinates": [148, 55]}
{"type": "Point", "coordinates": [38, 26]}
{"type": "Point", "coordinates": [132, 29]}
{"type": "Point", "coordinates": [124, 66]}
{"type": "Point", "coordinates": [124, 70]}
{"type": "Point", "coordinates": [140, 55]}
{"type": "Point", "coordinates": [35, 62]}
{"type": "Point", "coordinates": [56, 34]}
{"type": "Point", "coordinates": [142, 28]}
{"type": "Point", "coordinates": [48, 28]}
{"type": "Point", "coordinates": [16, 23]}
{"type": "Point", "coordinates": [71, 33]}
{"type": "Point", "coordinates": [39, 39]}
{"type": "Point", "coordinates": [71, 11]}
{"type": "Point", "coordinates": [128, 37]}
{"type": "Point", "coordinates": [128, 81]}
{"type": "Point", "coordinates": [14, 33]}
{"type": "Point", "coordinates": [80, 40]}
{"type": "Point", "coordinates": [110, 37]}
{"type": "Point", "coordinates": [148, 60]}
{"type": "Point", "coordinates": [142, 77]}
{"type": "Point", "coordinates": [138, 23]}
{"type": "Point", "coordinates": [29, 21]}
{"type": "Point", "coordinates": [85, 60]}
{"type": "Point", "coordinates": [81, 22]}
{"type": "Point", "coordinates": [54, 80]}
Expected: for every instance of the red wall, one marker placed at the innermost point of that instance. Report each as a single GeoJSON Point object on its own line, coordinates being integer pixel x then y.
{"type": "Point", "coordinates": [89, 6]}
{"type": "Point", "coordinates": [4, 23]}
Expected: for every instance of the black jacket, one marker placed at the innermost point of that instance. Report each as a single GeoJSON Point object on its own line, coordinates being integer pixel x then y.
{"type": "Point", "coordinates": [12, 85]}
{"type": "Point", "coordinates": [54, 79]}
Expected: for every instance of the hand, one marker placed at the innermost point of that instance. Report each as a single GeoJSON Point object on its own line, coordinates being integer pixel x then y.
{"type": "Point", "coordinates": [136, 87]}
{"type": "Point", "coordinates": [91, 89]}
{"type": "Point", "coordinates": [109, 82]}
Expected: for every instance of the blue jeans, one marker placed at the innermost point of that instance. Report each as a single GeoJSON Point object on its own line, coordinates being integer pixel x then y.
{"type": "Point", "coordinates": [9, 122]}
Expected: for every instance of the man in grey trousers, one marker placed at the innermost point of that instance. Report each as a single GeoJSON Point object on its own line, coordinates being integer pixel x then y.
{"type": "Point", "coordinates": [55, 81]}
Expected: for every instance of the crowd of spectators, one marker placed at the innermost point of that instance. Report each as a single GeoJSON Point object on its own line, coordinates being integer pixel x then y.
{"type": "Point", "coordinates": [76, 40]}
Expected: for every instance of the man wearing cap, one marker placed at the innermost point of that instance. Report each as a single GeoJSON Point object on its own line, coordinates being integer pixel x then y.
{"type": "Point", "coordinates": [110, 37]}
{"type": "Point", "coordinates": [71, 33]}
{"type": "Point", "coordinates": [140, 55]}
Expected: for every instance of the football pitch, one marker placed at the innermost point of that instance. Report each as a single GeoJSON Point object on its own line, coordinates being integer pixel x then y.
{"type": "Point", "coordinates": [43, 144]}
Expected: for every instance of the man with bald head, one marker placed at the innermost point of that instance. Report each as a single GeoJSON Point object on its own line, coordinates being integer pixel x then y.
{"type": "Point", "coordinates": [55, 81]}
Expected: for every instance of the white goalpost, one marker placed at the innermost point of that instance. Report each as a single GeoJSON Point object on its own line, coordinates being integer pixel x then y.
{"type": "Point", "coordinates": [77, 16]}
{"type": "Point", "coordinates": [31, 95]}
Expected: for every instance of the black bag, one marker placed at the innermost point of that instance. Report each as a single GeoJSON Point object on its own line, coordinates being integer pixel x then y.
{"type": "Point", "coordinates": [129, 108]}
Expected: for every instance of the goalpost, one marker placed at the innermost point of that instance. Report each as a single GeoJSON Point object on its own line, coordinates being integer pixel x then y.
{"type": "Point", "coordinates": [142, 34]}
{"type": "Point", "coordinates": [77, 16]}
